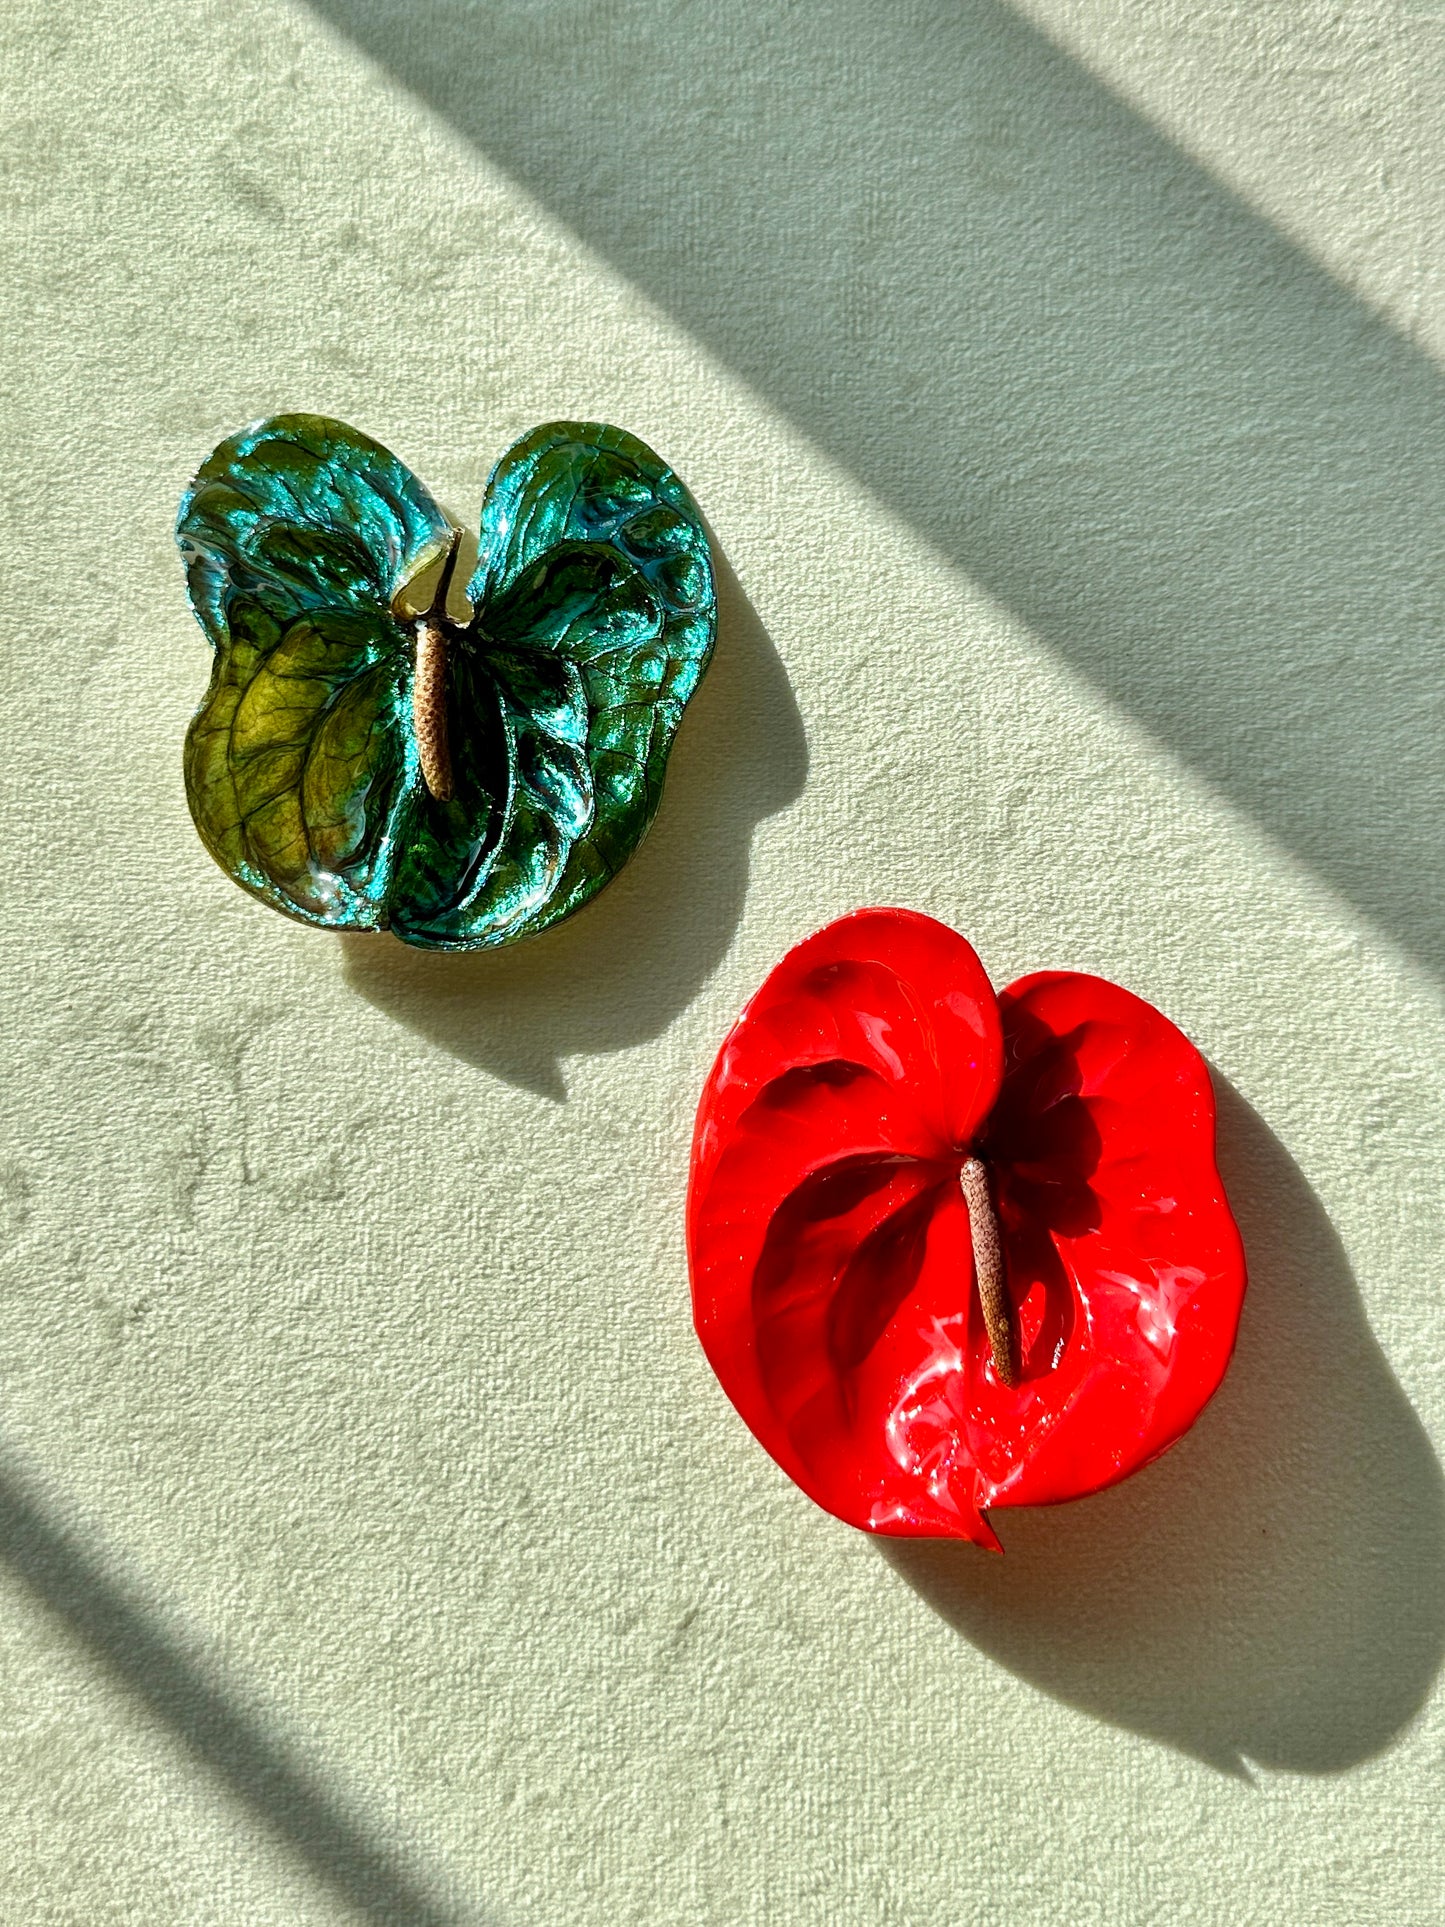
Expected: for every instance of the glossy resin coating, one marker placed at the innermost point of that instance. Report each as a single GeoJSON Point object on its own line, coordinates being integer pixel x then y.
{"type": "Point", "coordinates": [560, 675]}
{"type": "Point", "coordinates": [829, 1239]}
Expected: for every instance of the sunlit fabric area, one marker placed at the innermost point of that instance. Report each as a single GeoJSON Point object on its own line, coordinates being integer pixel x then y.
{"type": "Point", "coordinates": [1061, 384]}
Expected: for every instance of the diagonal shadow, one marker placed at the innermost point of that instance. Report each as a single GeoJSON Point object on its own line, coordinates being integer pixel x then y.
{"type": "Point", "coordinates": [261, 1772]}
{"type": "Point", "coordinates": [1196, 466]}
{"type": "Point", "coordinates": [1273, 1589]}
{"type": "Point", "coordinates": [620, 973]}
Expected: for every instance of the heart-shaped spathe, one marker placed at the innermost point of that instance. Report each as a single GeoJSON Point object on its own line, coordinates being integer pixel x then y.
{"type": "Point", "coordinates": [324, 575]}
{"type": "Point", "coordinates": [833, 1247]}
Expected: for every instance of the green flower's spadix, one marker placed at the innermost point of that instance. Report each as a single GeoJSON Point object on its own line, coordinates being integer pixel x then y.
{"type": "Point", "coordinates": [383, 746]}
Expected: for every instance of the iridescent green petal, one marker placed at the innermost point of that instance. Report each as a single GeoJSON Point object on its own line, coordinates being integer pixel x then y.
{"type": "Point", "coordinates": [593, 551]}
{"type": "Point", "coordinates": [294, 534]}
{"type": "Point", "coordinates": [593, 623]}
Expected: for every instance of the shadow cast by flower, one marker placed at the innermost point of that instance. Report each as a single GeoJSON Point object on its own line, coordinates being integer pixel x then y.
{"type": "Point", "coordinates": [1273, 1589]}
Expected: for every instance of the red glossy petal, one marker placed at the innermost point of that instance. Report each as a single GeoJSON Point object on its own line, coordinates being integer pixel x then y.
{"type": "Point", "coordinates": [894, 992]}
{"type": "Point", "coordinates": [830, 1247]}
{"type": "Point", "coordinates": [1112, 1210]}
{"type": "Point", "coordinates": [825, 1233]}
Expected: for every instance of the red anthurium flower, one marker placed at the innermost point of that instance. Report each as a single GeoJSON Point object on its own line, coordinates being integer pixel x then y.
{"type": "Point", "coordinates": [950, 1250]}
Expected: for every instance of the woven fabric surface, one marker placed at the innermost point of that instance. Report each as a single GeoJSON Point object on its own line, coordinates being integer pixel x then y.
{"type": "Point", "coordinates": [1063, 387]}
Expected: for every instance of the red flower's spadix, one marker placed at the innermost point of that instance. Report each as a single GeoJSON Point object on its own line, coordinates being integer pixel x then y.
{"type": "Point", "coordinates": [830, 1242]}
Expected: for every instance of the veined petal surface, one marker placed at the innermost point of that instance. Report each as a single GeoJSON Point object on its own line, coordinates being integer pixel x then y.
{"type": "Point", "coordinates": [595, 617]}
{"type": "Point", "coordinates": [294, 534]}
{"type": "Point", "coordinates": [593, 551]}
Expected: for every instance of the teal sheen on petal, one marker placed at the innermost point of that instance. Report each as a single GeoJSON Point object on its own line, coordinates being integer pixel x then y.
{"type": "Point", "coordinates": [557, 681]}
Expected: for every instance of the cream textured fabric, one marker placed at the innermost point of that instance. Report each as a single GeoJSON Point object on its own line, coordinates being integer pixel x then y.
{"type": "Point", "coordinates": [1063, 384]}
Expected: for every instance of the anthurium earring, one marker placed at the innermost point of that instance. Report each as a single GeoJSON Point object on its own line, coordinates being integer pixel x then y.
{"type": "Point", "coordinates": [953, 1251]}
{"type": "Point", "coordinates": [392, 742]}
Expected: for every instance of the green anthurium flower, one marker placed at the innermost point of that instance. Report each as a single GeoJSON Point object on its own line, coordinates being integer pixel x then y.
{"type": "Point", "coordinates": [382, 747]}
